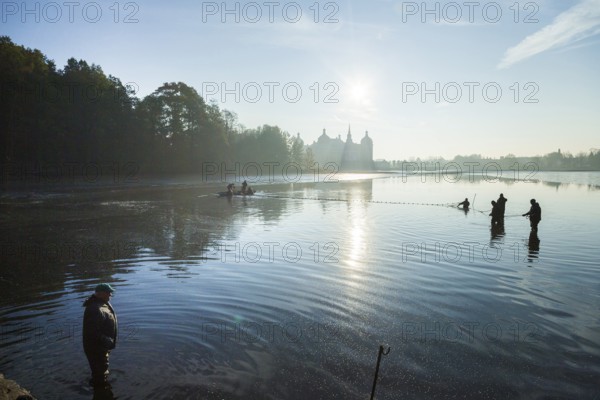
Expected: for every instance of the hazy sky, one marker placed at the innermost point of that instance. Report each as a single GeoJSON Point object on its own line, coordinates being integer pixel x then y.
{"type": "Point", "coordinates": [425, 79]}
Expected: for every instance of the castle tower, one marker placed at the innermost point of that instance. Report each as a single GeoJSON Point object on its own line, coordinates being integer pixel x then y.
{"type": "Point", "coordinates": [349, 155]}
{"type": "Point", "coordinates": [366, 152]}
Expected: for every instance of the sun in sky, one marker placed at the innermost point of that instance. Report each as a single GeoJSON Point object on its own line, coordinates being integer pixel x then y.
{"type": "Point", "coordinates": [358, 91]}
{"type": "Point", "coordinates": [386, 66]}
{"type": "Point", "coordinates": [357, 95]}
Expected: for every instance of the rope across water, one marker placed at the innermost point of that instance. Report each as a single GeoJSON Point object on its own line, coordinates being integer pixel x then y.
{"type": "Point", "coordinates": [453, 205]}
{"type": "Point", "coordinates": [359, 201]}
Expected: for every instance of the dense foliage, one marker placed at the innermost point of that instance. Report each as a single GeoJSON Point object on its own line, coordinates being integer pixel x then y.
{"type": "Point", "coordinates": [78, 115]}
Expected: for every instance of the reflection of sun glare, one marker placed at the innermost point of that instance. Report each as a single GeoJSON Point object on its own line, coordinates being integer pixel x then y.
{"type": "Point", "coordinates": [356, 254]}
{"type": "Point", "coordinates": [357, 243]}
{"type": "Point", "coordinates": [357, 239]}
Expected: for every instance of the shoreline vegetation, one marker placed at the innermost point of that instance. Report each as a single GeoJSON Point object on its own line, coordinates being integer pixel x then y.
{"type": "Point", "coordinates": [10, 390]}
{"type": "Point", "coordinates": [557, 161]}
{"type": "Point", "coordinates": [90, 124]}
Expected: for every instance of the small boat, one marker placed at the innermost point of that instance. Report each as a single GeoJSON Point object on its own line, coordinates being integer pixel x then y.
{"type": "Point", "coordinates": [236, 193]}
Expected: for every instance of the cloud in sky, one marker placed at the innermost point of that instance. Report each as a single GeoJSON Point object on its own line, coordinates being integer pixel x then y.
{"type": "Point", "coordinates": [577, 23]}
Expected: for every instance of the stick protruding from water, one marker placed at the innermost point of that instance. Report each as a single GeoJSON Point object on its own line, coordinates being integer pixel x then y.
{"type": "Point", "coordinates": [381, 352]}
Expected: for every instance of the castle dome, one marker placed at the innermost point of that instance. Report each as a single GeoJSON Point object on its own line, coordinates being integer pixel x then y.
{"type": "Point", "coordinates": [366, 139]}
{"type": "Point", "coordinates": [323, 137]}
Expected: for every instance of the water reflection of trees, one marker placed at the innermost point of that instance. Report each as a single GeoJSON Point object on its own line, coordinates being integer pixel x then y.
{"type": "Point", "coordinates": [478, 178]}
{"type": "Point", "coordinates": [566, 185]}
{"type": "Point", "coordinates": [69, 244]}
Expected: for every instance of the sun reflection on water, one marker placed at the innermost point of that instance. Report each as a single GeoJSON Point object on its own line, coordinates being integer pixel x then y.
{"type": "Point", "coordinates": [357, 243]}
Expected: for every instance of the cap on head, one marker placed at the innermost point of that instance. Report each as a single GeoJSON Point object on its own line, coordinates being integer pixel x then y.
{"type": "Point", "coordinates": [104, 287]}
{"type": "Point", "coordinates": [532, 201]}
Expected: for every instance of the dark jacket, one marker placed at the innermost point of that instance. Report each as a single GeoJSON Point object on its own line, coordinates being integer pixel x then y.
{"type": "Point", "coordinates": [501, 204]}
{"type": "Point", "coordinates": [535, 212]}
{"type": "Point", "coordinates": [496, 213]}
{"type": "Point", "coordinates": [99, 325]}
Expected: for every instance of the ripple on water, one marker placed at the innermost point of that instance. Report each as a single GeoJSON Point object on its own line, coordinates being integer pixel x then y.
{"type": "Point", "coordinates": [194, 324]}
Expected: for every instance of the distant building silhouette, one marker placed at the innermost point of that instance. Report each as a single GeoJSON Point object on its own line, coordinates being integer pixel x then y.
{"type": "Point", "coordinates": [349, 156]}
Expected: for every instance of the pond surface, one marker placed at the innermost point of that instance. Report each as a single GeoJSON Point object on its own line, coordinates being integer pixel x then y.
{"type": "Point", "coordinates": [288, 294]}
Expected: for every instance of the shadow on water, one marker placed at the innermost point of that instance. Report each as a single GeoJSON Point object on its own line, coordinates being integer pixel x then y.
{"type": "Point", "coordinates": [533, 245]}
{"type": "Point", "coordinates": [497, 233]}
{"type": "Point", "coordinates": [104, 393]}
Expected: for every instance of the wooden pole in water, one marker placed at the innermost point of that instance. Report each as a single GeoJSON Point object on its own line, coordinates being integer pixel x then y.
{"type": "Point", "coordinates": [385, 353]}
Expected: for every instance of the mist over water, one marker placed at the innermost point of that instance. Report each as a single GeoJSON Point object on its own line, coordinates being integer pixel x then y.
{"type": "Point", "coordinates": [289, 293]}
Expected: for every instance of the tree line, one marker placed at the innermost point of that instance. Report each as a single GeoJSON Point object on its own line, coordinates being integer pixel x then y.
{"type": "Point", "coordinates": [555, 161]}
{"type": "Point", "coordinates": [78, 114]}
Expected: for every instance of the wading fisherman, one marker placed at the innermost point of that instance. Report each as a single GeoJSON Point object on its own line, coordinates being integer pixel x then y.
{"type": "Point", "coordinates": [534, 214]}
{"type": "Point", "coordinates": [496, 218]}
{"type": "Point", "coordinates": [465, 204]}
{"type": "Point", "coordinates": [501, 205]}
{"type": "Point", "coordinates": [99, 332]}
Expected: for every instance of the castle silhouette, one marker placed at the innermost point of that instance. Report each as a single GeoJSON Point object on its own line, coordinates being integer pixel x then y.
{"type": "Point", "coordinates": [348, 156]}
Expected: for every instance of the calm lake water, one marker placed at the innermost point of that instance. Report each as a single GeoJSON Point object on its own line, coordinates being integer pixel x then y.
{"type": "Point", "coordinates": [288, 294]}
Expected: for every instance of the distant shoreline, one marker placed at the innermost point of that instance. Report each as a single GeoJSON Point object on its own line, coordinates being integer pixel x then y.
{"type": "Point", "coordinates": [29, 187]}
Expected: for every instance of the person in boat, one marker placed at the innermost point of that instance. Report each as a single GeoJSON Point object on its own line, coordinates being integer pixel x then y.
{"type": "Point", "coordinates": [230, 189]}
{"type": "Point", "coordinates": [534, 214]}
{"type": "Point", "coordinates": [249, 191]}
{"type": "Point", "coordinates": [465, 204]}
{"type": "Point", "coordinates": [501, 205]}
{"type": "Point", "coordinates": [496, 218]}
{"type": "Point", "coordinates": [244, 187]}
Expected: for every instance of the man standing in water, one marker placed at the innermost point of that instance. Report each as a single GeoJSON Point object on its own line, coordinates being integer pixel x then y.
{"type": "Point", "coordinates": [501, 205]}
{"type": "Point", "coordinates": [99, 332]}
{"type": "Point", "coordinates": [496, 219]}
{"type": "Point", "coordinates": [534, 214]}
